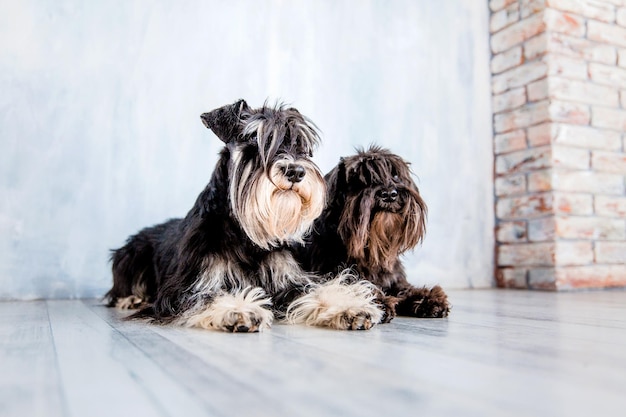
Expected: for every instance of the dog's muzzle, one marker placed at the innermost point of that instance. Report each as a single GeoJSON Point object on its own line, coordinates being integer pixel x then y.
{"type": "Point", "coordinates": [294, 173]}
{"type": "Point", "coordinates": [387, 195]}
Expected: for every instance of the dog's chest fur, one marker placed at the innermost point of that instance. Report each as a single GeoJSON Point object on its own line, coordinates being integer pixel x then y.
{"type": "Point", "coordinates": [271, 270]}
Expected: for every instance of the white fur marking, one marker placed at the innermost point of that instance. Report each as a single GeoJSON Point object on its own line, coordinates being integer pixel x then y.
{"type": "Point", "coordinates": [338, 305]}
{"type": "Point", "coordinates": [229, 311]}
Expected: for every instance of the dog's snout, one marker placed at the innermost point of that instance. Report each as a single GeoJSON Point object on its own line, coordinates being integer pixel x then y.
{"type": "Point", "coordinates": [295, 172]}
{"type": "Point", "coordinates": [388, 195]}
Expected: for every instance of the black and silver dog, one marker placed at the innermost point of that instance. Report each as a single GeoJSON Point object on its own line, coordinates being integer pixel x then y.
{"type": "Point", "coordinates": [227, 265]}
{"type": "Point", "coordinates": [374, 214]}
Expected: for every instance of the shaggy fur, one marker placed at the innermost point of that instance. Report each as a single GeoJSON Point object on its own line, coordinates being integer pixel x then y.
{"type": "Point", "coordinates": [374, 214]}
{"type": "Point", "coordinates": [227, 265]}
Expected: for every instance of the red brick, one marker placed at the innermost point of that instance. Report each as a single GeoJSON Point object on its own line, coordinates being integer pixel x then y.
{"type": "Point", "coordinates": [531, 114]}
{"type": "Point", "coordinates": [496, 5]}
{"type": "Point", "coordinates": [538, 90]}
{"type": "Point", "coordinates": [568, 157]}
{"type": "Point", "coordinates": [510, 185]}
{"type": "Point", "coordinates": [517, 33]}
{"type": "Point", "coordinates": [511, 278]}
{"type": "Point", "coordinates": [606, 33]}
{"type": "Point", "coordinates": [561, 253]}
{"type": "Point", "coordinates": [620, 3]}
{"type": "Point", "coordinates": [609, 162]}
{"type": "Point", "coordinates": [511, 141]}
{"type": "Point", "coordinates": [582, 49]}
{"type": "Point", "coordinates": [541, 279]}
{"type": "Point", "coordinates": [506, 60]}
{"type": "Point", "coordinates": [585, 137]}
{"type": "Point", "coordinates": [582, 92]}
{"type": "Point", "coordinates": [590, 228]}
{"type": "Point", "coordinates": [535, 46]}
{"type": "Point", "coordinates": [540, 134]}
{"type": "Point", "coordinates": [568, 112]}
{"type": "Point", "coordinates": [524, 160]}
{"type": "Point", "coordinates": [592, 276]}
{"type": "Point", "coordinates": [591, 9]}
{"type": "Point", "coordinates": [573, 68]}
{"type": "Point", "coordinates": [608, 75]}
{"type": "Point", "coordinates": [610, 252]}
{"type": "Point", "coordinates": [608, 118]}
{"type": "Point", "coordinates": [541, 230]}
{"type": "Point", "coordinates": [504, 17]}
{"type": "Point", "coordinates": [620, 18]}
{"type": "Point", "coordinates": [610, 206]}
{"type": "Point", "coordinates": [539, 180]}
{"type": "Point", "coordinates": [530, 7]}
{"type": "Point", "coordinates": [511, 232]}
{"type": "Point", "coordinates": [588, 182]}
{"type": "Point", "coordinates": [573, 253]}
{"type": "Point", "coordinates": [518, 76]}
{"type": "Point", "coordinates": [572, 203]}
{"type": "Point", "coordinates": [524, 207]}
{"type": "Point", "coordinates": [509, 100]}
{"type": "Point", "coordinates": [527, 254]}
{"type": "Point", "coordinates": [570, 24]}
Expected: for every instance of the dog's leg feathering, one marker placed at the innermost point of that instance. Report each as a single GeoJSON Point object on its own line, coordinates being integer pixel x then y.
{"type": "Point", "coordinates": [338, 304]}
{"type": "Point", "coordinates": [242, 311]}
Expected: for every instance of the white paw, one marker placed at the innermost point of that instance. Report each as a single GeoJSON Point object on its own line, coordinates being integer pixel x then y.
{"type": "Point", "coordinates": [241, 312]}
{"type": "Point", "coordinates": [131, 302]}
{"type": "Point", "coordinates": [337, 305]}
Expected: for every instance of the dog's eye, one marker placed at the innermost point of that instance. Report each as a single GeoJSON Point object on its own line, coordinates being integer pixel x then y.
{"type": "Point", "coordinates": [396, 178]}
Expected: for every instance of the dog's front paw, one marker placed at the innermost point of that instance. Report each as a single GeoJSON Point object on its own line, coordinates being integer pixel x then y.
{"type": "Point", "coordinates": [387, 304]}
{"type": "Point", "coordinates": [132, 302]}
{"type": "Point", "coordinates": [242, 312]}
{"type": "Point", "coordinates": [350, 320]}
{"type": "Point", "coordinates": [242, 321]}
{"type": "Point", "coordinates": [424, 303]}
{"type": "Point", "coordinates": [338, 305]}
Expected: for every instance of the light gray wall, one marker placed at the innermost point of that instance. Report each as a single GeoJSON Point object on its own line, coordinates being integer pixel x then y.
{"type": "Point", "coordinates": [100, 132]}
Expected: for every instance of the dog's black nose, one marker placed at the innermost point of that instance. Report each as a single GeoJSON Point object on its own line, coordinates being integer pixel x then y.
{"type": "Point", "coordinates": [295, 172]}
{"type": "Point", "coordinates": [389, 195]}
{"type": "Point", "coordinates": [241, 329]}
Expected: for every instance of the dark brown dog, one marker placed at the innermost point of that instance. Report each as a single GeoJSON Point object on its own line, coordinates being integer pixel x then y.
{"type": "Point", "coordinates": [374, 214]}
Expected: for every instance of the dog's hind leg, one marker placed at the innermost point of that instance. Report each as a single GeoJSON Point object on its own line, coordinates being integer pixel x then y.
{"type": "Point", "coordinates": [134, 278]}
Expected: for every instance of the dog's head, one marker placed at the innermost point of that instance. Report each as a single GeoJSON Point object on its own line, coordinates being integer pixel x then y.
{"type": "Point", "coordinates": [275, 190]}
{"type": "Point", "coordinates": [380, 211]}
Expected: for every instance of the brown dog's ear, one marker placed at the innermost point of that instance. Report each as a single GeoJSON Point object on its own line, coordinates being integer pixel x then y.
{"type": "Point", "coordinates": [225, 122]}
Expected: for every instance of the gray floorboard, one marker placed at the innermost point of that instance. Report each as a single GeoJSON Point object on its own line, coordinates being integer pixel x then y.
{"type": "Point", "coordinates": [500, 353]}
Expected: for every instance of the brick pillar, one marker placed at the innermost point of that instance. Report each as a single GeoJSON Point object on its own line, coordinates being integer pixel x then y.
{"type": "Point", "coordinates": [559, 102]}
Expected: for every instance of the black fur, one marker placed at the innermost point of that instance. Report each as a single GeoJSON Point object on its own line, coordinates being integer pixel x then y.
{"type": "Point", "coordinates": [162, 264]}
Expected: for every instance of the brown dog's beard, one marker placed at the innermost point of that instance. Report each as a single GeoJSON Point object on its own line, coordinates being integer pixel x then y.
{"type": "Point", "coordinates": [386, 239]}
{"type": "Point", "coordinates": [378, 240]}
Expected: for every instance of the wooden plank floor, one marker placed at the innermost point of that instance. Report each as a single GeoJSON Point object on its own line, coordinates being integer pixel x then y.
{"type": "Point", "coordinates": [500, 353]}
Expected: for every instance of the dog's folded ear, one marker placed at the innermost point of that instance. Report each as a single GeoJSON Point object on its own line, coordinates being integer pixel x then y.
{"type": "Point", "coordinates": [225, 122]}
{"type": "Point", "coordinates": [336, 183]}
